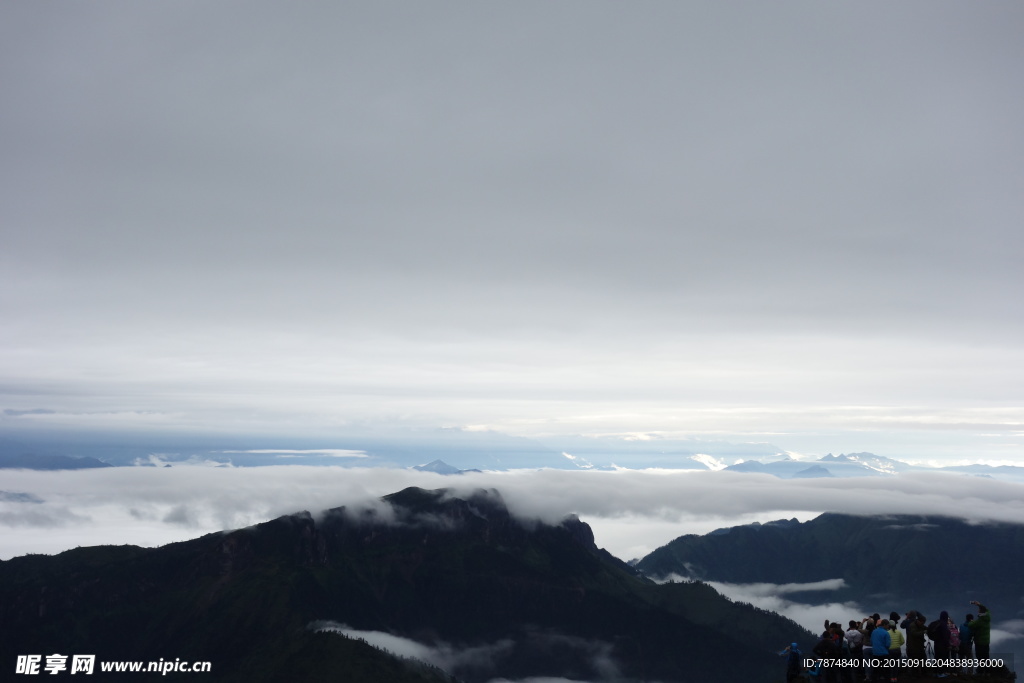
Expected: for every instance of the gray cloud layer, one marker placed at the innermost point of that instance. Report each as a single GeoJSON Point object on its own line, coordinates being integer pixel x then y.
{"type": "Point", "coordinates": [582, 216]}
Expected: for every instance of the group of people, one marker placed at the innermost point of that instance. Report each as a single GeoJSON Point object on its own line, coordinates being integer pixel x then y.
{"type": "Point", "coordinates": [872, 649]}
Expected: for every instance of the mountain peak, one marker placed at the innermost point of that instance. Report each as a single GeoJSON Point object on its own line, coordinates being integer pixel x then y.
{"type": "Point", "coordinates": [443, 570]}
{"type": "Point", "coordinates": [415, 502]}
{"type": "Point", "coordinates": [813, 472]}
{"type": "Point", "coordinates": [711, 462]}
{"type": "Point", "coordinates": [438, 467]}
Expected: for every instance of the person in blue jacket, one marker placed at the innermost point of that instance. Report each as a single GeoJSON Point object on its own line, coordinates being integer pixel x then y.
{"type": "Point", "coordinates": [881, 641]}
{"type": "Point", "coordinates": [966, 638]}
{"type": "Point", "coordinates": [794, 664]}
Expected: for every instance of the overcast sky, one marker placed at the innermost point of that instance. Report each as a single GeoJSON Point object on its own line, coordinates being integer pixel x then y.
{"type": "Point", "coordinates": [764, 219]}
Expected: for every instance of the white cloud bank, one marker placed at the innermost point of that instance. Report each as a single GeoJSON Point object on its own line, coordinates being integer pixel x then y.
{"type": "Point", "coordinates": [772, 597]}
{"type": "Point", "coordinates": [632, 512]}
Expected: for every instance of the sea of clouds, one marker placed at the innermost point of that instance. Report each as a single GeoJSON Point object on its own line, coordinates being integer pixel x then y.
{"type": "Point", "coordinates": [632, 512]}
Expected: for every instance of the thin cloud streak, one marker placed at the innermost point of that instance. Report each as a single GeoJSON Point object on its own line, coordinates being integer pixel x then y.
{"type": "Point", "coordinates": [480, 657]}
{"type": "Point", "coordinates": [288, 453]}
{"type": "Point", "coordinates": [440, 654]}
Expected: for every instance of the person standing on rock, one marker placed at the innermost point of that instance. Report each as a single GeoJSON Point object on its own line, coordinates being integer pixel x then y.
{"type": "Point", "coordinates": [881, 641]}
{"type": "Point", "coordinates": [915, 625]}
{"type": "Point", "coordinates": [966, 638]}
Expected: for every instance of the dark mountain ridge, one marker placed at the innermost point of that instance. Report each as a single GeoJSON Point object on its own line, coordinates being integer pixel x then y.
{"type": "Point", "coordinates": [892, 562]}
{"type": "Point", "coordinates": [429, 566]}
{"type": "Point", "coordinates": [850, 546]}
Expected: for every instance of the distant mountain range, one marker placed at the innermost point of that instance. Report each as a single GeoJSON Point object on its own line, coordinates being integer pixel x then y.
{"type": "Point", "coordinates": [863, 465]}
{"type": "Point", "coordinates": [829, 466]}
{"type": "Point", "coordinates": [504, 597]}
{"type": "Point", "coordinates": [32, 461]}
{"type": "Point", "coordinates": [852, 465]}
{"type": "Point", "coordinates": [465, 448]}
{"type": "Point", "coordinates": [483, 451]}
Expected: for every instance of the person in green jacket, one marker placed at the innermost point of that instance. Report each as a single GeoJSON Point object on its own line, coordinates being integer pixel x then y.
{"type": "Point", "coordinates": [981, 630]}
{"type": "Point", "coordinates": [895, 646]}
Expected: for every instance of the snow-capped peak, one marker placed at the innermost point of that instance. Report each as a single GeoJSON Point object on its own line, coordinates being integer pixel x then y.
{"type": "Point", "coordinates": [580, 462]}
{"type": "Point", "coordinates": [708, 461]}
